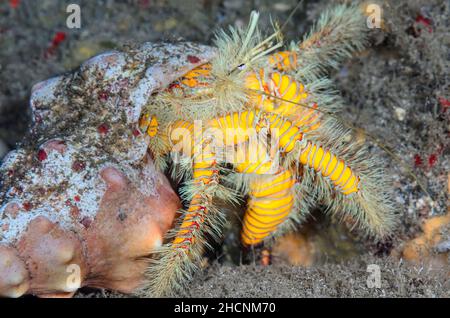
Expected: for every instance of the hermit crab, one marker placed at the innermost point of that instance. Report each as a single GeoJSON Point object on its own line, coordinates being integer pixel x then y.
{"type": "Point", "coordinates": [246, 120]}
{"type": "Point", "coordinates": [258, 124]}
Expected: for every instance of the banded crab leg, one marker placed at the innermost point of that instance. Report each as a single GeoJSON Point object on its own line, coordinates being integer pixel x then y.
{"type": "Point", "coordinates": [271, 201]}
{"type": "Point", "coordinates": [178, 259]}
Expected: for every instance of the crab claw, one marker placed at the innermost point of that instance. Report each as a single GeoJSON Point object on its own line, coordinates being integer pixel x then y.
{"type": "Point", "coordinates": [14, 280]}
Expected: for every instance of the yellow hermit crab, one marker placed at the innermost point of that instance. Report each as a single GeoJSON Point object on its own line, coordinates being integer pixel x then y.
{"type": "Point", "coordinates": [260, 124]}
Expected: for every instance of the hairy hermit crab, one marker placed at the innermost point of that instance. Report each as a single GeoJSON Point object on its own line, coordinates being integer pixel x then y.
{"type": "Point", "coordinates": [85, 203]}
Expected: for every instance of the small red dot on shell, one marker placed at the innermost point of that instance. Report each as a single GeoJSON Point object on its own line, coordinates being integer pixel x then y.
{"type": "Point", "coordinates": [77, 198]}
{"type": "Point", "coordinates": [78, 166]}
{"type": "Point", "coordinates": [103, 96]}
{"type": "Point", "coordinates": [193, 59]}
{"type": "Point", "coordinates": [432, 160]}
{"type": "Point", "coordinates": [27, 206]}
{"type": "Point", "coordinates": [42, 155]}
{"type": "Point", "coordinates": [417, 160]}
{"type": "Point", "coordinates": [103, 129]}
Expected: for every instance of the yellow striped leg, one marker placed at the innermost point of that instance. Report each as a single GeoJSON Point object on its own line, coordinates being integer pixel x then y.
{"type": "Point", "coordinates": [330, 166]}
{"type": "Point", "coordinates": [284, 60]}
{"type": "Point", "coordinates": [270, 203]}
{"type": "Point", "coordinates": [199, 79]}
{"type": "Point", "coordinates": [290, 98]}
{"type": "Point", "coordinates": [204, 175]}
{"type": "Point", "coordinates": [179, 259]}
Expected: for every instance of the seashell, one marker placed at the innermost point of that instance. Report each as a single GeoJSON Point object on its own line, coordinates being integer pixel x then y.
{"type": "Point", "coordinates": [83, 150]}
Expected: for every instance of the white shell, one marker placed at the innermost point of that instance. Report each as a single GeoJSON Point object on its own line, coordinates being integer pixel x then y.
{"type": "Point", "coordinates": [129, 78]}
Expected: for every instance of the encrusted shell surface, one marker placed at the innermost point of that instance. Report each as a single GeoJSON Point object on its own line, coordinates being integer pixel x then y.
{"type": "Point", "coordinates": [84, 121]}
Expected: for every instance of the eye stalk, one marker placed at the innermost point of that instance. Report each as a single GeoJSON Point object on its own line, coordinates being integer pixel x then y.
{"type": "Point", "coordinates": [240, 67]}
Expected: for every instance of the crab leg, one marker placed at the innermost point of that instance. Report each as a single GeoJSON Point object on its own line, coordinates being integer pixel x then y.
{"type": "Point", "coordinates": [291, 96]}
{"type": "Point", "coordinates": [270, 203]}
{"type": "Point", "coordinates": [204, 175]}
{"type": "Point", "coordinates": [178, 259]}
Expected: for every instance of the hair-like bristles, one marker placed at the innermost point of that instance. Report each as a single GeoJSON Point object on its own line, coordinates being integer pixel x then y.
{"type": "Point", "coordinates": [240, 50]}
{"type": "Point", "coordinates": [173, 265]}
{"type": "Point", "coordinates": [371, 207]}
{"type": "Point", "coordinates": [190, 189]}
{"type": "Point", "coordinates": [182, 167]}
{"type": "Point", "coordinates": [339, 32]}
